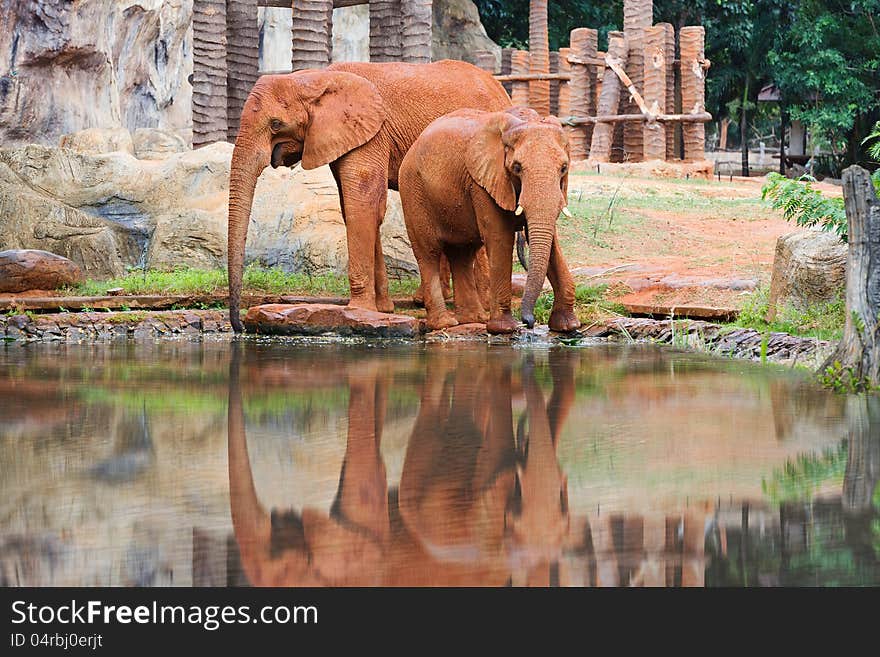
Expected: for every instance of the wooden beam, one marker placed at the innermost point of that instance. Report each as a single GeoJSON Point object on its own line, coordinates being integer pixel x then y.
{"type": "Point", "coordinates": [703, 117]}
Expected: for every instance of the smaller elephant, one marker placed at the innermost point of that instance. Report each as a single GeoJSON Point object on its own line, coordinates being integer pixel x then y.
{"type": "Point", "coordinates": [474, 178]}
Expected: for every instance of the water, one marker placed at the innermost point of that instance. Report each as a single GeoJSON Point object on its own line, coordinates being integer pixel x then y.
{"type": "Point", "coordinates": [210, 463]}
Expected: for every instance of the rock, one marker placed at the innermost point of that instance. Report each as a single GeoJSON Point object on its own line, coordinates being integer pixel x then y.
{"type": "Point", "coordinates": [107, 212]}
{"type": "Point", "coordinates": [154, 144]}
{"type": "Point", "coordinates": [458, 33]}
{"type": "Point", "coordinates": [809, 268]}
{"type": "Point", "coordinates": [66, 66]}
{"type": "Point", "coordinates": [98, 140]}
{"type": "Point", "coordinates": [319, 318]}
{"type": "Point", "coordinates": [30, 269]}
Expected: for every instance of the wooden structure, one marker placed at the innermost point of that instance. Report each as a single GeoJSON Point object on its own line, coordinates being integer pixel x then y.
{"type": "Point", "coordinates": [621, 105]}
{"type": "Point", "coordinates": [225, 49]}
{"type": "Point", "coordinates": [634, 102]}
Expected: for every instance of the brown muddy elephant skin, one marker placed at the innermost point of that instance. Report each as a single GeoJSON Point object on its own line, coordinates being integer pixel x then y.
{"type": "Point", "coordinates": [471, 179]}
{"type": "Point", "coordinates": [361, 119]}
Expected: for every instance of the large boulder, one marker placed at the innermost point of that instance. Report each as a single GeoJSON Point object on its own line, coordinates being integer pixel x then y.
{"type": "Point", "coordinates": [65, 66]}
{"type": "Point", "coordinates": [107, 212]}
{"type": "Point", "coordinates": [30, 269]}
{"type": "Point", "coordinates": [809, 268]}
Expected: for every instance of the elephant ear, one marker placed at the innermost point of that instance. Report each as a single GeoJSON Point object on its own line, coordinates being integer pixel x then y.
{"type": "Point", "coordinates": [345, 110]}
{"type": "Point", "coordinates": [485, 159]}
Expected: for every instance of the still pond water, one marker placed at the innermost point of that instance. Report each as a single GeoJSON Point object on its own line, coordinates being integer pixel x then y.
{"type": "Point", "coordinates": [294, 464]}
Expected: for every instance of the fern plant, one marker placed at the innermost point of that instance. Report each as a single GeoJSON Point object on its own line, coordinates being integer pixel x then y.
{"type": "Point", "coordinates": [873, 149]}
{"type": "Point", "coordinates": [803, 204]}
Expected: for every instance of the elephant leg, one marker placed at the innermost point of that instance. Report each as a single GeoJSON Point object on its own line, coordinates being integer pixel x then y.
{"type": "Point", "coordinates": [562, 317]}
{"type": "Point", "coordinates": [445, 276]}
{"type": "Point", "coordinates": [428, 258]}
{"type": "Point", "coordinates": [468, 309]}
{"type": "Point", "coordinates": [499, 250]}
{"type": "Point", "coordinates": [364, 203]}
{"type": "Point", "coordinates": [384, 304]}
{"type": "Point", "coordinates": [481, 278]}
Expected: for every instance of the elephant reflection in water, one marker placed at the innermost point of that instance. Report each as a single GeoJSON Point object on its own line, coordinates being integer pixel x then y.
{"type": "Point", "coordinates": [477, 504]}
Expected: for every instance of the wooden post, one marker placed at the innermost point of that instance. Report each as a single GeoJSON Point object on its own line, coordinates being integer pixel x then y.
{"type": "Point", "coordinates": [242, 58]}
{"type": "Point", "coordinates": [609, 100]}
{"type": "Point", "coordinates": [385, 27]}
{"type": "Point", "coordinates": [539, 57]}
{"type": "Point", "coordinates": [310, 47]}
{"type": "Point", "coordinates": [519, 65]}
{"type": "Point", "coordinates": [693, 89]}
{"type": "Point", "coordinates": [209, 72]}
{"type": "Point", "coordinates": [859, 350]}
{"type": "Point", "coordinates": [637, 15]}
{"type": "Point", "coordinates": [485, 59]}
{"type": "Point", "coordinates": [655, 91]}
{"type": "Point", "coordinates": [506, 68]}
{"type": "Point", "coordinates": [417, 20]}
{"type": "Point", "coordinates": [584, 46]}
{"type": "Point", "coordinates": [669, 52]}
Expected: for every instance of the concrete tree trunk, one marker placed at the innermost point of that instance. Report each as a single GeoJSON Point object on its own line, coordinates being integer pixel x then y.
{"type": "Point", "coordinates": [859, 350]}
{"type": "Point", "coordinates": [539, 57]}
{"type": "Point", "coordinates": [609, 100]}
{"type": "Point", "coordinates": [584, 46]}
{"type": "Point", "coordinates": [310, 45]}
{"type": "Point", "coordinates": [209, 100]}
{"type": "Point", "coordinates": [242, 58]}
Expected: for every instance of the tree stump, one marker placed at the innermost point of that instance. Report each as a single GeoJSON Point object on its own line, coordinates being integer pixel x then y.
{"type": "Point", "coordinates": [584, 43]}
{"type": "Point", "coordinates": [31, 269]}
{"type": "Point", "coordinates": [859, 351]}
{"type": "Point", "coordinates": [539, 57]}
{"type": "Point", "coordinates": [809, 268]}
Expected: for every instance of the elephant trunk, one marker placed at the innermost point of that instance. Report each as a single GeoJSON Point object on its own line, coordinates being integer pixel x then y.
{"type": "Point", "coordinates": [248, 163]}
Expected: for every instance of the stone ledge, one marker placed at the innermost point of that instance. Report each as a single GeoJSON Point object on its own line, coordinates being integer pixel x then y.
{"type": "Point", "coordinates": [320, 318]}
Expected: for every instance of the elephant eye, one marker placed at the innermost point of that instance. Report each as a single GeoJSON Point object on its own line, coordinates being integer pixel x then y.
{"type": "Point", "coordinates": [276, 125]}
{"type": "Point", "coordinates": [564, 169]}
{"type": "Point", "coordinates": [516, 168]}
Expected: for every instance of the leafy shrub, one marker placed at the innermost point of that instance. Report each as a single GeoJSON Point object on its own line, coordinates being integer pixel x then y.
{"type": "Point", "coordinates": [806, 206]}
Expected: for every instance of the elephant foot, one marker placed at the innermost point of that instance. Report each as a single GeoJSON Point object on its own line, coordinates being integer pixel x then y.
{"type": "Point", "coordinates": [442, 321]}
{"type": "Point", "coordinates": [472, 317]}
{"type": "Point", "coordinates": [362, 302]}
{"type": "Point", "coordinates": [563, 320]}
{"type": "Point", "coordinates": [504, 324]}
{"type": "Point", "coordinates": [385, 305]}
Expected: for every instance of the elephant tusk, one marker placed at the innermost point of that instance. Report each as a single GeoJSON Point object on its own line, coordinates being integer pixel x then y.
{"type": "Point", "coordinates": [566, 212]}
{"type": "Point", "coordinates": [519, 210]}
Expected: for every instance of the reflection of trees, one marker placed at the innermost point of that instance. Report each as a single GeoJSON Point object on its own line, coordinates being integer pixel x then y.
{"type": "Point", "coordinates": [831, 540]}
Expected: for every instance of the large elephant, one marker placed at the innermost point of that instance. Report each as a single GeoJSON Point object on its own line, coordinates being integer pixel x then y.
{"type": "Point", "coordinates": [360, 119]}
{"type": "Point", "coordinates": [474, 178]}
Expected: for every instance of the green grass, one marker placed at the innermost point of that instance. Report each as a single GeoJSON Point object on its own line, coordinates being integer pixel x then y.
{"type": "Point", "coordinates": [590, 304]}
{"type": "Point", "coordinates": [256, 280]}
{"type": "Point", "coordinates": [824, 321]}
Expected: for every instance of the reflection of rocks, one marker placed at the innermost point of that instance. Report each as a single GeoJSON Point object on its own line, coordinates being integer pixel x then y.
{"type": "Point", "coordinates": [110, 211]}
